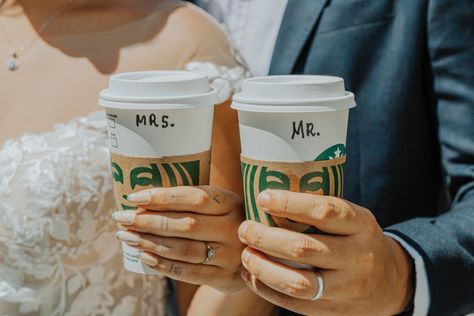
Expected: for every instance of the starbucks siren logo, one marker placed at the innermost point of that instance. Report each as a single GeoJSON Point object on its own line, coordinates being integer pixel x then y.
{"type": "Point", "coordinates": [333, 152]}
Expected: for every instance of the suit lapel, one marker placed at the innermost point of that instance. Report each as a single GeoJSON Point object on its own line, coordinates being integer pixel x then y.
{"type": "Point", "coordinates": [298, 22]}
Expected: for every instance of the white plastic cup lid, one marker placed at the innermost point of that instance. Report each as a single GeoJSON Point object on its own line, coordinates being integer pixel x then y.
{"type": "Point", "coordinates": [293, 93]}
{"type": "Point", "coordinates": [146, 89]}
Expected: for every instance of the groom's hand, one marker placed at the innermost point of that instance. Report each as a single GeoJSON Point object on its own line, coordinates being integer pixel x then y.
{"type": "Point", "coordinates": [364, 271]}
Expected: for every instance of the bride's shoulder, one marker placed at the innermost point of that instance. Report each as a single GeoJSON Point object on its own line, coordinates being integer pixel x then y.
{"type": "Point", "coordinates": [195, 17]}
{"type": "Point", "coordinates": [199, 32]}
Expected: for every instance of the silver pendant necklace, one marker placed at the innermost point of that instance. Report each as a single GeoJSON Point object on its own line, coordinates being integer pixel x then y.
{"type": "Point", "coordinates": [13, 61]}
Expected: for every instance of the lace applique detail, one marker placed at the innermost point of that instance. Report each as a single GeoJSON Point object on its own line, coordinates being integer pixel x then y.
{"type": "Point", "coordinates": [59, 253]}
{"type": "Point", "coordinates": [225, 80]}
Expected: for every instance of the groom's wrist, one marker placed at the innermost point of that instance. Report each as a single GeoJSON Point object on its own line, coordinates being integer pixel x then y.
{"type": "Point", "coordinates": [406, 279]}
{"type": "Point", "coordinates": [410, 306]}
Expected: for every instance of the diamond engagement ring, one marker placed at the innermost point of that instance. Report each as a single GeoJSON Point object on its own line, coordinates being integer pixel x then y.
{"type": "Point", "coordinates": [210, 253]}
{"type": "Point", "coordinates": [319, 294]}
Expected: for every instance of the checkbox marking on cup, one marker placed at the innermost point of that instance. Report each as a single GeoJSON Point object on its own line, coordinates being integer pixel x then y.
{"type": "Point", "coordinates": [111, 122]}
{"type": "Point", "coordinates": [113, 141]}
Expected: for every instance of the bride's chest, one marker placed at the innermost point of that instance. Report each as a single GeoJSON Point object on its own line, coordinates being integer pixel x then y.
{"type": "Point", "coordinates": [49, 87]}
{"type": "Point", "coordinates": [43, 91]}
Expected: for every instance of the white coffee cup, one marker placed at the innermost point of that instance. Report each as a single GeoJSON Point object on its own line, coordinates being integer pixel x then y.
{"type": "Point", "coordinates": [292, 122]}
{"type": "Point", "coordinates": [154, 114]}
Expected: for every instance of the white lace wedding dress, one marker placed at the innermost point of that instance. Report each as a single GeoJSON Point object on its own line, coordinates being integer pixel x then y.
{"type": "Point", "coordinates": [58, 253]}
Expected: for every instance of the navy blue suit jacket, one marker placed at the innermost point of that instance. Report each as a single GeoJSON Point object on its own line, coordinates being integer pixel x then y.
{"type": "Point", "coordinates": [410, 142]}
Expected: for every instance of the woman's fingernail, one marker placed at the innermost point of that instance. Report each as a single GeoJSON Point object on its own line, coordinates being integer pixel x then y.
{"type": "Point", "coordinates": [245, 256]}
{"type": "Point", "coordinates": [243, 230]}
{"type": "Point", "coordinates": [147, 259]}
{"type": "Point", "coordinates": [143, 198]}
{"type": "Point", "coordinates": [263, 200]}
{"type": "Point", "coordinates": [129, 238]}
{"type": "Point", "coordinates": [124, 217]}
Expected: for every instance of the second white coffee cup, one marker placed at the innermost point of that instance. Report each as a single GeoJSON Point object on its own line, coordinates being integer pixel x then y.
{"type": "Point", "coordinates": [293, 135]}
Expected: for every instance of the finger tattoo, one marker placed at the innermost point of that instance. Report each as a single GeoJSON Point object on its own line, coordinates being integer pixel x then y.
{"type": "Point", "coordinates": [215, 198]}
{"type": "Point", "coordinates": [164, 223]}
{"type": "Point", "coordinates": [176, 270]}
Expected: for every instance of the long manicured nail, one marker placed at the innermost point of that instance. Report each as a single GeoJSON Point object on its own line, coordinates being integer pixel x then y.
{"type": "Point", "coordinates": [129, 238]}
{"type": "Point", "coordinates": [147, 259]}
{"type": "Point", "coordinates": [142, 198]}
{"type": "Point", "coordinates": [263, 200]}
{"type": "Point", "coordinates": [243, 230]}
{"type": "Point", "coordinates": [246, 256]}
{"type": "Point", "coordinates": [123, 217]}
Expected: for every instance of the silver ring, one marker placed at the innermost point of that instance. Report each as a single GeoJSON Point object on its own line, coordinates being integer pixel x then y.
{"type": "Point", "coordinates": [210, 253]}
{"type": "Point", "coordinates": [320, 292]}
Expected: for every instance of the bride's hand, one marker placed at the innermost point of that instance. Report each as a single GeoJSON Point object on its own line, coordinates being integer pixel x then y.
{"type": "Point", "coordinates": [176, 227]}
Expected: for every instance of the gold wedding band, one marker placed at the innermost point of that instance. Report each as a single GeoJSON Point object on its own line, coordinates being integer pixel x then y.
{"type": "Point", "coordinates": [319, 294]}
{"type": "Point", "coordinates": [209, 254]}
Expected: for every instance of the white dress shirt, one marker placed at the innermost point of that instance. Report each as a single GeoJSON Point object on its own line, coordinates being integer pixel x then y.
{"type": "Point", "coordinates": [253, 26]}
